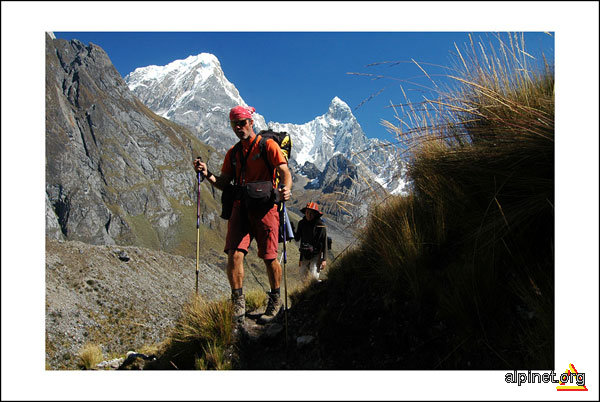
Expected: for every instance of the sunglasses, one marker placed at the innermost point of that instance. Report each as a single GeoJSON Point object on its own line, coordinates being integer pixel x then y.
{"type": "Point", "coordinates": [241, 123]}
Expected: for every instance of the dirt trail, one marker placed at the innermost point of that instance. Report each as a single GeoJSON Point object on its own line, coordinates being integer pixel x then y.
{"type": "Point", "coordinates": [272, 346]}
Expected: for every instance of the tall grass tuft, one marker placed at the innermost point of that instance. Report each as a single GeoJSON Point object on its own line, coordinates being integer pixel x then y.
{"type": "Point", "coordinates": [214, 357]}
{"type": "Point", "coordinates": [202, 338]}
{"type": "Point", "coordinates": [471, 249]}
{"type": "Point", "coordinates": [89, 356]}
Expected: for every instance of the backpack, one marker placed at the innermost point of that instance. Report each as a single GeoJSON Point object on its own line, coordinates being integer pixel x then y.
{"type": "Point", "coordinates": [282, 139]}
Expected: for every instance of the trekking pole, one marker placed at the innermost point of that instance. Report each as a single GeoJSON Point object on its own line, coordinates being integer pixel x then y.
{"type": "Point", "coordinates": [285, 275]}
{"type": "Point", "coordinates": [200, 178]}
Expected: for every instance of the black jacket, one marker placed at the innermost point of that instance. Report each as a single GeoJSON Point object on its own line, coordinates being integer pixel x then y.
{"type": "Point", "coordinates": [313, 233]}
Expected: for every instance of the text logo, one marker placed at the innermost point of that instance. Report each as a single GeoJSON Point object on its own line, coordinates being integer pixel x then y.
{"type": "Point", "coordinates": [571, 376]}
{"type": "Point", "coordinates": [570, 380]}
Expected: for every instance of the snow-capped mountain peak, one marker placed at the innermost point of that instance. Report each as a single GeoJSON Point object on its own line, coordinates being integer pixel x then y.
{"type": "Point", "coordinates": [204, 64]}
{"type": "Point", "coordinates": [194, 92]}
{"type": "Point", "coordinates": [334, 132]}
{"type": "Point", "coordinates": [338, 106]}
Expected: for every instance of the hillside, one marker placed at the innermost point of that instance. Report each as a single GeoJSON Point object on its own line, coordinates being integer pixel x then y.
{"type": "Point", "coordinates": [459, 275]}
{"type": "Point", "coordinates": [121, 297]}
{"type": "Point", "coordinates": [127, 298]}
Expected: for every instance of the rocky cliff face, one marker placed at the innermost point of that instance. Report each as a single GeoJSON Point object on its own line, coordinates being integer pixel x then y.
{"type": "Point", "coordinates": [309, 170]}
{"type": "Point", "coordinates": [341, 175]}
{"type": "Point", "coordinates": [337, 132]}
{"type": "Point", "coordinates": [115, 172]}
{"type": "Point", "coordinates": [344, 190]}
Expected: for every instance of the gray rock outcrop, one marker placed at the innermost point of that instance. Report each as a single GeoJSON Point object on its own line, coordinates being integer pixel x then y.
{"type": "Point", "coordinates": [116, 173]}
{"type": "Point", "coordinates": [310, 170]}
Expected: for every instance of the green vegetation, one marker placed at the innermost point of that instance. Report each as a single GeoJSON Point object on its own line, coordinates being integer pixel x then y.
{"type": "Point", "coordinates": [151, 349]}
{"type": "Point", "coordinates": [214, 357]}
{"type": "Point", "coordinates": [145, 233]}
{"type": "Point", "coordinates": [185, 232]}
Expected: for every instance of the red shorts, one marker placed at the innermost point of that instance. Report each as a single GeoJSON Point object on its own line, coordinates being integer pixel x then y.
{"type": "Point", "coordinates": [264, 226]}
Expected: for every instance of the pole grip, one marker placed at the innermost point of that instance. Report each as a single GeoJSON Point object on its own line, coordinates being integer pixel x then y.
{"type": "Point", "coordinates": [200, 175]}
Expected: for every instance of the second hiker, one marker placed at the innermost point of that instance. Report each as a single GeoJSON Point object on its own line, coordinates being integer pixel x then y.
{"type": "Point", "coordinates": [312, 235]}
{"type": "Point", "coordinates": [252, 165]}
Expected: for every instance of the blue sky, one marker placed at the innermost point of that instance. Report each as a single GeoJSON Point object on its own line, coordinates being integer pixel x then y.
{"type": "Point", "coordinates": [291, 77]}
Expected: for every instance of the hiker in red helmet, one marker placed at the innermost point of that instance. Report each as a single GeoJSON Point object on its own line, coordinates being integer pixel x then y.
{"type": "Point", "coordinates": [251, 215]}
{"type": "Point", "coordinates": [312, 235]}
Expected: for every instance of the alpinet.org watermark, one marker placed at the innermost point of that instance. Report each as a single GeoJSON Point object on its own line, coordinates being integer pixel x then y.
{"type": "Point", "coordinates": [570, 380]}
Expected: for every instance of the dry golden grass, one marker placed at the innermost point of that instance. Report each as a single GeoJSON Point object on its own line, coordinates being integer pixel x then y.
{"type": "Point", "coordinates": [202, 321]}
{"type": "Point", "coordinates": [89, 356]}
{"type": "Point", "coordinates": [201, 338]}
{"type": "Point", "coordinates": [152, 349]}
{"type": "Point", "coordinates": [255, 299]}
{"type": "Point", "coordinates": [473, 244]}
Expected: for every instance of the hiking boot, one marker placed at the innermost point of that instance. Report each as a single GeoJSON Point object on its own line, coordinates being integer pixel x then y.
{"type": "Point", "coordinates": [239, 308]}
{"type": "Point", "coordinates": [273, 307]}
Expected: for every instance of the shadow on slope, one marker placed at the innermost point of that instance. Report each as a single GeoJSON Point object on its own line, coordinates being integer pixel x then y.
{"type": "Point", "coordinates": [460, 273]}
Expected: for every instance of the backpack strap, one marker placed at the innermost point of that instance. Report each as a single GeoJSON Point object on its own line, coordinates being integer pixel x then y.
{"type": "Point", "coordinates": [263, 152]}
{"type": "Point", "coordinates": [237, 148]}
{"type": "Point", "coordinates": [233, 159]}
